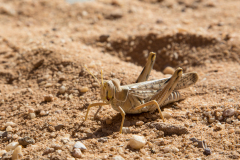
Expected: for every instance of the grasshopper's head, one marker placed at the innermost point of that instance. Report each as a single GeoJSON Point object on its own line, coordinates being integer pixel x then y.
{"type": "Point", "coordinates": [107, 91]}
{"type": "Point", "coordinates": [106, 88]}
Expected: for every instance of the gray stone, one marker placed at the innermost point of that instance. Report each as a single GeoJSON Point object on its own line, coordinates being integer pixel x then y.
{"type": "Point", "coordinates": [26, 141]}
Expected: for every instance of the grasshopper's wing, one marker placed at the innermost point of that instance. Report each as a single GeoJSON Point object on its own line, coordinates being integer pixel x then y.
{"type": "Point", "coordinates": [145, 90]}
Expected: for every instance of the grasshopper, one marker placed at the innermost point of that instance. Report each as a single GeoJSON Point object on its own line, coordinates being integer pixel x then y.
{"type": "Point", "coordinates": [143, 96]}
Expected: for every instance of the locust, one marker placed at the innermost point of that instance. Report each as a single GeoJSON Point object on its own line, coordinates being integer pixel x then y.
{"type": "Point", "coordinates": [143, 96]}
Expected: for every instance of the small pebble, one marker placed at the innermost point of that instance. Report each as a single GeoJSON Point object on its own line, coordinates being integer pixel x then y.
{"type": "Point", "coordinates": [195, 118]}
{"type": "Point", "coordinates": [3, 113]}
{"type": "Point", "coordinates": [117, 158]}
{"type": "Point", "coordinates": [12, 124]}
{"type": "Point", "coordinates": [231, 131]}
{"type": "Point", "coordinates": [43, 113]}
{"type": "Point", "coordinates": [14, 108]}
{"type": "Point", "coordinates": [108, 121]}
{"type": "Point", "coordinates": [139, 123]}
{"type": "Point", "coordinates": [80, 145]}
{"type": "Point", "coordinates": [48, 85]}
{"type": "Point", "coordinates": [228, 112]}
{"type": "Point", "coordinates": [77, 153]}
{"type": "Point", "coordinates": [59, 127]}
{"type": "Point", "coordinates": [30, 110]}
{"type": "Point", "coordinates": [83, 89]}
{"type": "Point", "coordinates": [48, 150]}
{"type": "Point", "coordinates": [9, 129]}
{"type": "Point", "coordinates": [2, 152]}
{"type": "Point", "coordinates": [65, 140]}
{"type": "Point", "coordinates": [95, 84]}
{"type": "Point", "coordinates": [56, 146]}
{"type": "Point", "coordinates": [175, 149]}
{"type": "Point", "coordinates": [62, 89]}
{"type": "Point", "coordinates": [207, 151]}
{"type": "Point", "coordinates": [237, 131]}
{"type": "Point", "coordinates": [211, 120]}
{"type": "Point", "coordinates": [168, 70]}
{"type": "Point", "coordinates": [126, 130]}
{"type": "Point", "coordinates": [48, 98]}
{"type": "Point", "coordinates": [15, 136]}
{"type": "Point", "coordinates": [137, 142]}
{"type": "Point", "coordinates": [166, 115]}
{"type": "Point", "coordinates": [11, 146]}
{"type": "Point", "coordinates": [167, 149]}
{"type": "Point", "coordinates": [237, 146]}
{"type": "Point", "coordinates": [17, 153]}
{"type": "Point", "coordinates": [103, 139]}
{"type": "Point", "coordinates": [32, 115]}
{"type": "Point", "coordinates": [26, 141]}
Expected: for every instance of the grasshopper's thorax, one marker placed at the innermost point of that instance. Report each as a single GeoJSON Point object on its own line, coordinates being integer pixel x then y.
{"type": "Point", "coordinates": [107, 91]}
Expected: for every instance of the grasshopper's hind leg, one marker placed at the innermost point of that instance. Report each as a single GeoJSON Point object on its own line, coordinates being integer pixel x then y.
{"type": "Point", "coordinates": [147, 69]}
{"type": "Point", "coordinates": [160, 97]}
{"type": "Point", "coordinates": [152, 102]}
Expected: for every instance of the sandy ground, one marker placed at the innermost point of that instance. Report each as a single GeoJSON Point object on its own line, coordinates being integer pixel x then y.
{"type": "Point", "coordinates": [45, 44]}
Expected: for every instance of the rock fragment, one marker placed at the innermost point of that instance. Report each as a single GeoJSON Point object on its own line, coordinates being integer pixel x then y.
{"type": "Point", "coordinates": [26, 141]}
{"type": "Point", "coordinates": [2, 152]}
{"type": "Point", "coordinates": [83, 89]}
{"type": "Point", "coordinates": [48, 98]}
{"type": "Point", "coordinates": [11, 146]}
{"type": "Point", "coordinates": [17, 153]}
{"type": "Point", "coordinates": [77, 153]}
{"type": "Point", "coordinates": [80, 145]}
{"type": "Point", "coordinates": [62, 89]}
{"type": "Point", "coordinates": [117, 158]}
{"type": "Point", "coordinates": [137, 142]}
{"type": "Point", "coordinates": [169, 129]}
{"type": "Point", "coordinates": [228, 112]}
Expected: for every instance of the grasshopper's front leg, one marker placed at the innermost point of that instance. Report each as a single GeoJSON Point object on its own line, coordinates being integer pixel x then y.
{"type": "Point", "coordinates": [92, 105]}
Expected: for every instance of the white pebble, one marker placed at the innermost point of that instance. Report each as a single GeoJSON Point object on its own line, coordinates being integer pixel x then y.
{"type": "Point", "coordinates": [9, 129]}
{"type": "Point", "coordinates": [32, 115]}
{"type": "Point", "coordinates": [17, 153]}
{"type": "Point", "coordinates": [211, 120]}
{"type": "Point", "coordinates": [80, 145]}
{"type": "Point", "coordinates": [3, 113]}
{"type": "Point", "coordinates": [12, 146]}
{"type": "Point", "coordinates": [168, 70]}
{"type": "Point", "coordinates": [167, 149]}
{"type": "Point", "coordinates": [125, 130]}
{"type": "Point", "coordinates": [48, 85]}
{"type": "Point", "coordinates": [2, 152]}
{"type": "Point", "coordinates": [139, 123]}
{"type": "Point", "coordinates": [12, 124]}
{"type": "Point", "coordinates": [95, 84]}
{"type": "Point", "coordinates": [167, 115]}
{"type": "Point", "coordinates": [229, 112]}
{"type": "Point", "coordinates": [175, 149]}
{"type": "Point", "coordinates": [77, 153]}
{"type": "Point", "coordinates": [137, 142]}
{"type": "Point", "coordinates": [43, 113]}
{"type": "Point", "coordinates": [117, 158]}
{"type": "Point", "coordinates": [62, 89]}
{"type": "Point", "coordinates": [30, 110]}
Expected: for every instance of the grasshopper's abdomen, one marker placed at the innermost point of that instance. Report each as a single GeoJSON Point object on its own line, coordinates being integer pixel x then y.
{"type": "Point", "coordinates": [173, 97]}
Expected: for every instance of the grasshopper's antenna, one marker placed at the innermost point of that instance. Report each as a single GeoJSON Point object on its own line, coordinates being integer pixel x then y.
{"type": "Point", "coordinates": [92, 75]}
{"type": "Point", "coordinates": [102, 77]}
